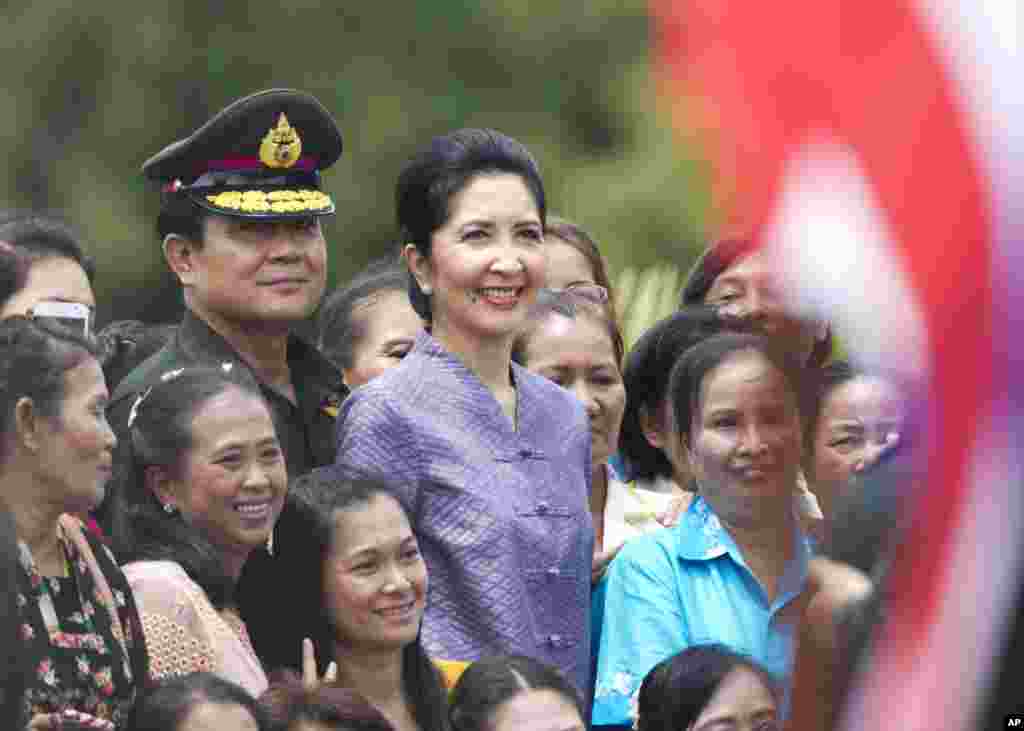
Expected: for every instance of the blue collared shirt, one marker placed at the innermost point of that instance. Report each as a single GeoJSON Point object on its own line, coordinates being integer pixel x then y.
{"type": "Point", "coordinates": [684, 586]}
{"type": "Point", "coordinates": [501, 514]}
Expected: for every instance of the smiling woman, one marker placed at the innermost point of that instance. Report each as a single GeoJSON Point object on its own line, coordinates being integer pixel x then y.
{"type": "Point", "coordinates": [733, 569]}
{"type": "Point", "coordinates": [363, 593]}
{"type": "Point", "coordinates": [496, 459]}
{"type": "Point", "coordinates": [203, 484]}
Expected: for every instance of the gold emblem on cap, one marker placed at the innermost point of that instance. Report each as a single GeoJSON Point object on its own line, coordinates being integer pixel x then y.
{"type": "Point", "coordinates": [281, 146]}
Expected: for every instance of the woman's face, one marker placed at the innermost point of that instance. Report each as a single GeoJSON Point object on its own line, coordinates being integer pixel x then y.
{"type": "Point", "coordinates": [748, 290]}
{"type": "Point", "coordinates": [577, 354]}
{"type": "Point", "coordinates": [857, 421]}
{"type": "Point", "coordinates": [218, 717]}
{"type": "Point", "coordinates": [566, 265]}
{"type": "Point", "coordinates": [389, 326]}
{"type": "Point", "coordinates": [54, 279]}
{"type": "Point", "coordinates": [745, 437]}
{"type": "Point", "coordinates": [375, 578]}
{"type": "Point", "coordinates": [537, 710]}
{"type": "Point", "coordinates": [487, 260]}
{"type": "Point", "coordinates": [78, 444]}
{"type": "Point", "coordinates": [740, 703]}
{"type": "Point", "coordinates": [233, 481]}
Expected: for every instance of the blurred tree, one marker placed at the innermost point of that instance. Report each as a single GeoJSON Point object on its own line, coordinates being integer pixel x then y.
{"type": "Point", "coordinates": [93, 89]}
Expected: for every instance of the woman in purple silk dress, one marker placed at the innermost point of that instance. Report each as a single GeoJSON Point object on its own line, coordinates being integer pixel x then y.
{"type": "Point", "coordinates": [496, 459]}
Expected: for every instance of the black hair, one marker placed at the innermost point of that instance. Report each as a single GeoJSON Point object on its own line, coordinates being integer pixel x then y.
{"type": "Point", "coordinates": [338, 330]}
{"type": "Point", "coordinates": [13, 272]}
{"type": "Point", "coordinates": [721, 255]}
{"type": "Point", "coordinates": [14, 662]}
{"type": "Point", "coordinates": [646, 377]}
{"type": "Point", "coordinates": [180, 215]}
{"type": "Point", "coordinates": [28, 237]}
{"type": "Point", "coordinates": [127, 343]}
{"type": "Point", "coordinates": [676, 690]}
{"type": "Point", "coordinates": [689, 372]}
{"type": "Point", "coordinates": [34, 358]}
{"type": "Point", "coordinates": [318, 496]}
{"type": "Point", "coordinates": [166, 706]}
{"type": "Point", "coordinates": [289, 702]}
{"type": "Point", "coordinates": [490, 682]}
{"type": "Point", "coordinates": [159, 434]}
{"type": "Point", "coordinates": [429, 180]}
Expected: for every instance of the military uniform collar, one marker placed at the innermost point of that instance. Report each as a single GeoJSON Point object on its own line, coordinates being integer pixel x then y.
{"type": "Point", "coordinates": [201, 343]}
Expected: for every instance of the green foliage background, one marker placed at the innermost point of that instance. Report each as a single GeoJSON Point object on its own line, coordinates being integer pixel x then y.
{"type": "Point", "coordinates": [91, 89]}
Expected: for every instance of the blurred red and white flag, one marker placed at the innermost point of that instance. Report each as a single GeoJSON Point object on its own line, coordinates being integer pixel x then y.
{"type": "Point", "coordinates": [868, 143]}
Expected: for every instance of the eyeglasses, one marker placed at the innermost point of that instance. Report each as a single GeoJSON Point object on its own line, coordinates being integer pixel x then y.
{"type": "Point", "coordinates": [594, 294]}
{"type": "Point", "coordinates": [569, 299]}
{"type": "Point", "coordinates": [585, 293]}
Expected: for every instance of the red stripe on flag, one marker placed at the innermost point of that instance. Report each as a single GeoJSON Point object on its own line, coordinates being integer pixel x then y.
{"type": "Point", "coordinates": [754, 82]}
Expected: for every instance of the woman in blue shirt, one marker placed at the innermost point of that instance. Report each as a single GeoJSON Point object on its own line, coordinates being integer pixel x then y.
{"type": "Point", "coordinates": [732, 571]}
{"type": "Point", "coordinates": [495, 460]}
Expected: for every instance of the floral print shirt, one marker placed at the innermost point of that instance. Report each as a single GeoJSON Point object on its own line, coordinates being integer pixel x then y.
{"type": "Point", "coordinates": [84, 653]}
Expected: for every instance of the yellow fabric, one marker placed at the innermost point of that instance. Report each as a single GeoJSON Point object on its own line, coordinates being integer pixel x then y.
{"type": "Point", "coordinates": [274, 201]}
{"type": "Point", "coordinates": [451, 671]}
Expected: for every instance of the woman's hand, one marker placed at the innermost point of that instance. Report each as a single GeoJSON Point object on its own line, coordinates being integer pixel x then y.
{"type": "Point", "coordinates": [601, 561]}
{"type": "Point", "coordinates": [309, 675]}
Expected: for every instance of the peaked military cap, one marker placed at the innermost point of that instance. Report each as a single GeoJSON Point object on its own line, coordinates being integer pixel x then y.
{"type": "Point", "coordinates": [260, 157]}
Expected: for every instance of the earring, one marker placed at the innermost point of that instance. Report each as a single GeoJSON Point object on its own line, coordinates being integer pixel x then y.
{"type": "Point", "coordinates": [426, 289]}
{"type": "Point", "coordinates": [169, 509]}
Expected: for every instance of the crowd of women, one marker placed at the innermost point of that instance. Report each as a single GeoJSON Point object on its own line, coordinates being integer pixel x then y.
{"type": "Point", "coordinates": [517, 524]}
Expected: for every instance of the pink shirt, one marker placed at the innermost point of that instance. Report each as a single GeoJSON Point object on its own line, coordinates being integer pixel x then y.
{"type": "Point", "coordinates": [185, 633]}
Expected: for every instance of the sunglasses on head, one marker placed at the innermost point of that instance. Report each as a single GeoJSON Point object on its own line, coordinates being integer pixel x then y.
{"type": "Point", "coordinates": [74, 316]}
{"type": "Point", "coordinates": [568, 299]}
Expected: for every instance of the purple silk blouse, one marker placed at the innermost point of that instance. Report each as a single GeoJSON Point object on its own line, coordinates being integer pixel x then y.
{"type": "Point", "coordinates": [502, 516]}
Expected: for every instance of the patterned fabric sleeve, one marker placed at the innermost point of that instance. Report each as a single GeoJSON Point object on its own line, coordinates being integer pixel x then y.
{"type": "Point", "coordinates": [375, 439]}
{"type": "Point", "coordinates": [176, 631]}
{"type": "Point", "coordinates": [643, 625]}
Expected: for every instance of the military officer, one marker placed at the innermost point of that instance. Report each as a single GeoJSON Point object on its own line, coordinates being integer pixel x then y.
{"type": "Point", "coordinates": [240, 225]}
